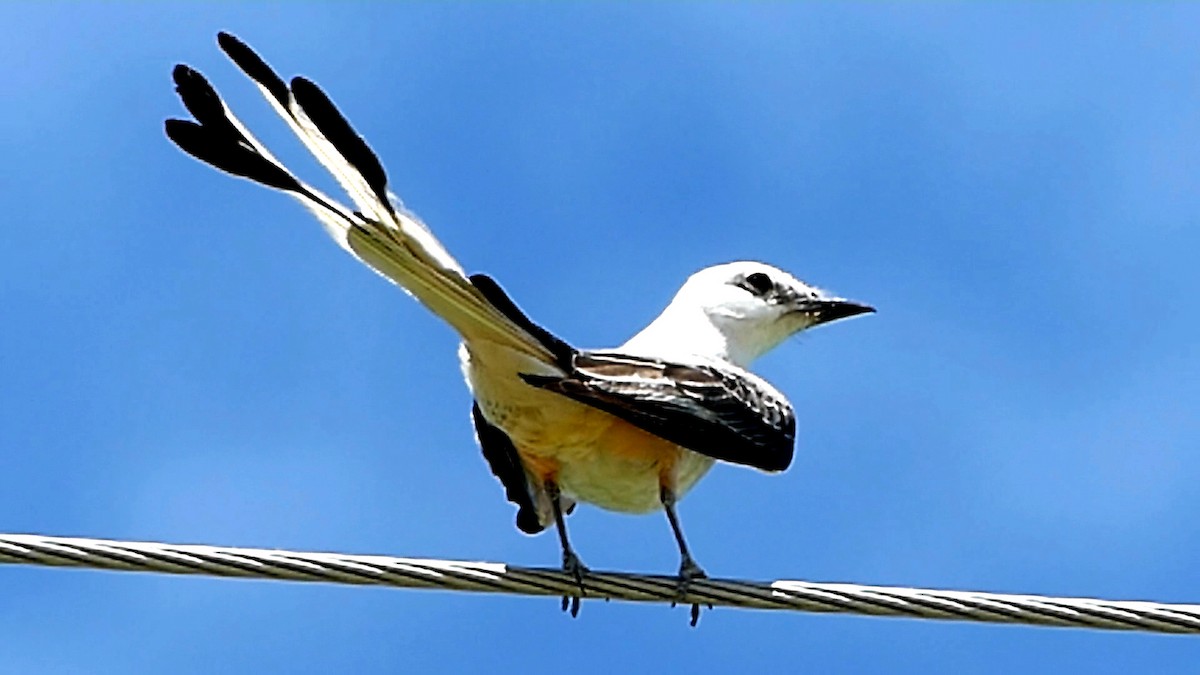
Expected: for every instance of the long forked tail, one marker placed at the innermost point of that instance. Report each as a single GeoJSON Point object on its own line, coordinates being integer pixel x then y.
{"type": "Point", "coordinates": [387, 239]}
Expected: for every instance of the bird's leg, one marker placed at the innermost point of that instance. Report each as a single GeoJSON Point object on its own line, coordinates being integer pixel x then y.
{"type": "Point", "coordinates": [571, 563]}
{"type": "Point", "coordinates": [689, 571]}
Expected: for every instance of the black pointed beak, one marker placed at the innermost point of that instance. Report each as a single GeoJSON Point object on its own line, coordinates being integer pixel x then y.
{"type": "Point", "coordinates": [824, 311]}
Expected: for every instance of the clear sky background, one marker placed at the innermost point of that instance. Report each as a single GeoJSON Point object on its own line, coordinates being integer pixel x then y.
{"type": "Point", "coordinates": [184, 357]}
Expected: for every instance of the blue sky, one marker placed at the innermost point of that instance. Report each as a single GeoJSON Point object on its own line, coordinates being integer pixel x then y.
{"type": "Point", "coordinates": [186, 358]}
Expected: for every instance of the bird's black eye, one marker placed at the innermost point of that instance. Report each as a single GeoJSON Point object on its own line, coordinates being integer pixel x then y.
{"type": "Point", "coordinates": [758, 283]}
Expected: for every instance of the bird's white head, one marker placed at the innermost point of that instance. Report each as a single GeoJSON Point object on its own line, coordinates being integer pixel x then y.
{"type": "Point", "coordinates": [738, 311]}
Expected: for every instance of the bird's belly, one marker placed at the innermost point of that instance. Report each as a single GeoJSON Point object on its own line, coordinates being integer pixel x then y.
{"type": "Point", "coordinates": [603, 460]}
{"type": "Point", "coordinates": [594, 457]}
{"type": "Point", "coordinates": [629, 484]}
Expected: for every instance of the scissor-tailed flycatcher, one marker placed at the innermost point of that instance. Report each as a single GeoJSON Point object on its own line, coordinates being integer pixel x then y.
{"type": "Point", "coordinates": [628, 429]}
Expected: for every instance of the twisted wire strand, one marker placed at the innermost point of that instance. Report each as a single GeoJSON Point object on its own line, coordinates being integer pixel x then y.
{"type": "Point", "coordinates": [485, 577]}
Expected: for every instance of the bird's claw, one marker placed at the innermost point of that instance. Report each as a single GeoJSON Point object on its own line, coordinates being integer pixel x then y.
{"type": "Point", "coordinates": [573, 566]}
{"type": "Point", "coordinates": [689, 571]}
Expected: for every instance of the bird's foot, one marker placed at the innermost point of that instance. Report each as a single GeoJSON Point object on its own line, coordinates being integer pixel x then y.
{"type": "Point", "coordinates": [573, 566]}
{"type": "Point", "coordinates": [689, 571]}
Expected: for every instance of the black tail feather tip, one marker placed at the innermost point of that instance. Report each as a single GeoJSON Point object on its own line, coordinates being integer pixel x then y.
{"type": "Point", "coordinates": [253, 65]}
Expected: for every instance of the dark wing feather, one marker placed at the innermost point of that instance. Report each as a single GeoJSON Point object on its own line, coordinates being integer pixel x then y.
{"type": "Point", "coordinates": [716, 410]}
{"type": "Point", "coordinates": [563, 352]}
{"type": "Point", "coordinates": [502, 457]}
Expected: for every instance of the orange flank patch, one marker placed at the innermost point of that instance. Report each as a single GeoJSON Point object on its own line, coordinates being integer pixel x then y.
{"type": "Point", "coordinates": [600, 436]}
{"type": "Point", "coordinates": [544, 468]}
{"type": "Point", "coordinates": [634, 445]}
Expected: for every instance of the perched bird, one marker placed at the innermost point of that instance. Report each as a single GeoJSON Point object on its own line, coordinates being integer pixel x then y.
{"type": "Point", "coordinates": [628, 429]}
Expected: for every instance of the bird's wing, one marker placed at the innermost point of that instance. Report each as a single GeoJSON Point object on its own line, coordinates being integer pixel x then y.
{"type": "Point", "coordinates": [713, 409]}
{"type": "Point", "coordinates": [389, 240]}
{"type": "Point", "coordinates": [502, 457]}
